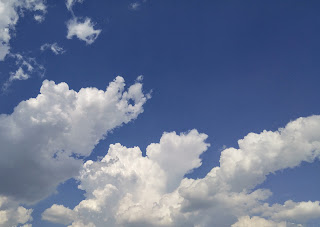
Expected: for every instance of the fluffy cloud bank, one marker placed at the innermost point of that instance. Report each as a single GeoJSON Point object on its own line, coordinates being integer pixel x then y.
{"type": "Point", "coordinates": [43, 140]}
{"type": "Point", "coordinates": [10, 11]}
{"type": "Point", "coordinates": [126, 189]}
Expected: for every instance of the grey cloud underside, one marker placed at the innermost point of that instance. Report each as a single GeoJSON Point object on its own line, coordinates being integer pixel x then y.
{"type": "Point", "coordinates": [127, 189]}
{"type": "Point", "coordinates": [42, 138]}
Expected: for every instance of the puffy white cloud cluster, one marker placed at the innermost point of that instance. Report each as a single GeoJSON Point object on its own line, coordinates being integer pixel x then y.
{"type": "Point", "coordinates": [54, 47]}
{"type": "Point", "coordinates": [10, 11]}
{"type": "Point", "coordinates": [44, 139]}
{"type": "Point", "coordinates": [83, 30]}
{"type": "Point", "coordinates": [11, 214]}
{"type": "Point", "coordinates": [126, 189]}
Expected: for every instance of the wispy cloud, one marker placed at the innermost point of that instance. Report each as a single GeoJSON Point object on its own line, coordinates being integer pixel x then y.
{"type": "Point", "coordinates": [26, 67]}
{"type": "Point", "coordinates": [70, 4]}
{"type": "Point", "coordinates": [135, 6]}
{"type": "Point", "coordinates": [54, 47]}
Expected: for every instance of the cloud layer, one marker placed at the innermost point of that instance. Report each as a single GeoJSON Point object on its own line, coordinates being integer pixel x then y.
{"type": "Point", "coordinates": [43, 140]}
{"type": "Point", "coordinates": [126, 189]}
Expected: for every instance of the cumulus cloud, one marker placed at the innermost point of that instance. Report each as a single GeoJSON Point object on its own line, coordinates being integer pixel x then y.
{"type": "Point", "coordinates": [54, 47]}
{"type": "Point", "coordinates": [299, 212]}
{"type": "Point", "coordinates": [184, 151]}
{"type": "Point", "coordinates": [126, 189]}
{"type": "Point", "coordinates": [124, 177]}
{"type": "Point", "coordinates": [10, 11]}
{"type": "Point", "coordinates": [45, 138]}
{"type": "Point", "coordinates": [246, 221]}
{"type": "Point", "coordinates": [59, 214]}
{"type": "Point", "coordinates": [11, 214]}
{"type": "Point", "coordinates": [83, 30]}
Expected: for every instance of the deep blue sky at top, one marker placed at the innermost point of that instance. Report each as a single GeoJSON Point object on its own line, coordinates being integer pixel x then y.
{"type": "Point", "coordinates": [226, 68]}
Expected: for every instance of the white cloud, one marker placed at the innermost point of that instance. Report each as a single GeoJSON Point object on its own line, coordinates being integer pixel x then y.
{"type": "Point", "coordinates": [19, 75]}
{"type": "Point", "coordinates": [133, 184]}
{"type": "Point", "coordinates": [26, 67]}
{"type": "Point", "coordinates": [54, 47]}
{"type": "Point", "coordinates": [246, 221]}
{"type": "Point", "coordinates": [184, 152]}
{"type": "Point", "coordinates": [10, 11]}
{"type": "Point", "coordinates": [299, 212]}
{"type": "Point", "coordinates": [84, 31]}
{"type": "Point", "coordinates": [127, 189]}
{"type": "Point", "coordinates": [70, 3]}
{"type": "Point", "coordinates": [4, 50]}
{"type": "Point", "coordinates": [55, 213]}
{"type": "Point", "coordinates": [11, 214]}
{"type": "Point", "coordinates": [43, 140]}
{"type": "Point", "coordinates": [264, 153]}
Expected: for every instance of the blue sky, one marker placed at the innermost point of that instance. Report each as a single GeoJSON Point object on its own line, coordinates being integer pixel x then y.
{"type": "Point", "coordinates": [228, 69]}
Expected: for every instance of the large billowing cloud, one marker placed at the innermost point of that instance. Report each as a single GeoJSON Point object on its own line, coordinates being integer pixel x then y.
{"type": "Point", "coordinates": [127, 189]}
{"type": "Point", "coordinates": [10, 10]}
{"type": "Point", "coordinates": [44, 139]}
